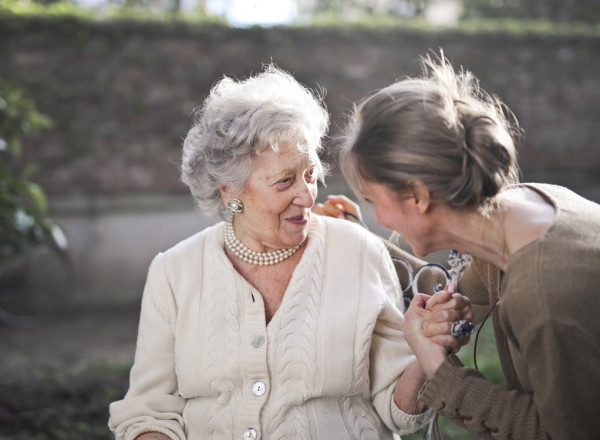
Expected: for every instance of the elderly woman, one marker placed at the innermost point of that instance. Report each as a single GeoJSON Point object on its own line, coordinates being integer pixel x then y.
{"type": "Point", "coordinates": [435, 156]}
{"type": "Point", "coordinates": [275, 324]}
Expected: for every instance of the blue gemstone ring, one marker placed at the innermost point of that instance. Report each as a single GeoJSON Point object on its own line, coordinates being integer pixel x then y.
{"type": "Point", "coordinates": [461, 329]}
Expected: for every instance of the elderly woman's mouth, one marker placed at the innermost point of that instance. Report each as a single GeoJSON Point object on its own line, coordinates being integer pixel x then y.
{"type": "Point", "coordinates": [298, 220]}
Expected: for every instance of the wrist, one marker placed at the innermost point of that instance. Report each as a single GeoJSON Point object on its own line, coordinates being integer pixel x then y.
{"type": "Point", "coordinates": [407, 389]}
{"type": "Point", "coordinates": [432, 363]}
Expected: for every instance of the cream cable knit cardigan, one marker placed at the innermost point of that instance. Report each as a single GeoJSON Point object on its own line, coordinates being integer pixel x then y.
{"type": "Point", "coordinates": [329, 358]}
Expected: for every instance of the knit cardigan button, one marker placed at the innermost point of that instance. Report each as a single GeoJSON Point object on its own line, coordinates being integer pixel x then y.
{"type": "Point", "coordinates": [258, 341]}
{"type": "Point", "coordinates": [250, 434]}
{"type": "Point", "coordinates": [259, 388]}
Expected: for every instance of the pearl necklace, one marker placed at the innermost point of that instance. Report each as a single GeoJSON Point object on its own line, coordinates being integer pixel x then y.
{"type": "Point", "coordinates": [241, 251]}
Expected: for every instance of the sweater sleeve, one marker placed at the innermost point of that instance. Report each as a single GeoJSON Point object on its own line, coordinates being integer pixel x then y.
{"type": "Point", "coordinates": [390, 354]}
{"type": "Point", "coordinates": [152, 402]}
{"type": "Point", "coordinates": [464, 396]}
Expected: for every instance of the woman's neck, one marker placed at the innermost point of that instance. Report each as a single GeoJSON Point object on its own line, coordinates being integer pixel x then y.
{"type": "Point", "coordinates": [521, 216]}
{"type": "Point", "coordinates": [483, 236]}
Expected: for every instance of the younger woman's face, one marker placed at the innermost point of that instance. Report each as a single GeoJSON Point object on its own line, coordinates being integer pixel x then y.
{"type": "Point", "coordinates": [400, 212]}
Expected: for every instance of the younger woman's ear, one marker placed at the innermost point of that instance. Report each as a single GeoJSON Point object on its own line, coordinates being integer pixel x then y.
{"type": "Point", "coordinates": [422, 196]}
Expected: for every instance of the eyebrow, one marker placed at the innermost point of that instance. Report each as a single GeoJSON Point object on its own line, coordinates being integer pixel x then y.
{"type": "Point", "coordinates": [286, 171]}
{"type": "Point", "coordinates": [290, 170]}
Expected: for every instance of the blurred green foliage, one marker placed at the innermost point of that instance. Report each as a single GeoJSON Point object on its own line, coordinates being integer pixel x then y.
{"type": "Point", "coordinates": [508, 26]}
{"type": "Point", "coordinates": [587, 11]}
{"type": "Point", "coordinates": [23, 207]}
{"type": "Point", "coordinates": [108, 10]}
{"type": "Point", "coordinates": [53, 8]}
{"type": "Point", "coordinates": [545, 16]}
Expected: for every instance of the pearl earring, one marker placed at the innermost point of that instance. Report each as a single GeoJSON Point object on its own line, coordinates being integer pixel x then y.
{"type": "Point", "coordinates": [235, 206]}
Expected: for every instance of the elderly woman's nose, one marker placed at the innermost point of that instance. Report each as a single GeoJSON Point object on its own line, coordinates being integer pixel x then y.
{"type": "Point", "coordinates": [305, 195]}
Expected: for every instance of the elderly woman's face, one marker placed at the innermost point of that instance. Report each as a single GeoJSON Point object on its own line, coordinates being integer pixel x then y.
{"type": "Point", "coordinates": [278, 199]}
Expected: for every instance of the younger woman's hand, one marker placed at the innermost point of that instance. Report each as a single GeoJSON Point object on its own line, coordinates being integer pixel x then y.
{"type": "Point", "coordinates": [445, 308]}
{"type": "Point", "coordinates": [335, 206]}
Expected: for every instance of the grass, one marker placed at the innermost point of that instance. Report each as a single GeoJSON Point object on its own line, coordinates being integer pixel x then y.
{"type": "Point", "coordinates": [61, 408]}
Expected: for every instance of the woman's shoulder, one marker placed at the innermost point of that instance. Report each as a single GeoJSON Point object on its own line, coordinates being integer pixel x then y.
{"type": "Point", "coordinates": [344, 227]}
{"type": "Point", "coordinates": [561, 196]}
{"type": "Point", "coordinates": [347, 233]}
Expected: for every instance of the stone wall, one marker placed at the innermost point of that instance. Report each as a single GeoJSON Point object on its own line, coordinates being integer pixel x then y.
{"type": "Point", "coordinates": [122, 94]}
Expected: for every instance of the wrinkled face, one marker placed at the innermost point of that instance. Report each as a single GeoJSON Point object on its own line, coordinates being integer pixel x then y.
{"type": "Point", "coordinates": [401, 213]}
{"type": "Point", "coordinates": [278, 199]}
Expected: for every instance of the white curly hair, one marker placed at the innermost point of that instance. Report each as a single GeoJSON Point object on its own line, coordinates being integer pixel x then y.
{"type": "Point", "coordinates": [239, 119]}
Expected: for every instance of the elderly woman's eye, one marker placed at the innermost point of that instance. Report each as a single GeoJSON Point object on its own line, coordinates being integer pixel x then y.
{"type": "Point", "coordinates": [311, 175]}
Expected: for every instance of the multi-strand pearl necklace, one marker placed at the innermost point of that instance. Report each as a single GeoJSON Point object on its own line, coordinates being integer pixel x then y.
{"type": "Point", "coordinates": [240, 250]}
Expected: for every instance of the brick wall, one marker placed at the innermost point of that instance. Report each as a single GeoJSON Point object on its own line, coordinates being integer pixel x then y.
{"type": "Point", "coordinates": [122, 93]}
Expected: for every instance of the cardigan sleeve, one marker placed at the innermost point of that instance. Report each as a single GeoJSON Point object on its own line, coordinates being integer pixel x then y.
{"type": "Point", "coordinates": [152, 402]}
{"type": "Point", "coordinates": [390, 353]}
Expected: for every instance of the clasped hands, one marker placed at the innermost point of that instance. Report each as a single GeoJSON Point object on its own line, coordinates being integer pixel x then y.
{"type": "Point", "coordinates": [428, 324]}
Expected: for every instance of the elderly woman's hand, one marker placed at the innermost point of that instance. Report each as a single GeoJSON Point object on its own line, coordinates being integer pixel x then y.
{"type": "Point", "coordinates": [429, 353]}
{"type": "Point", "coordinates": [445, 308]}
{"type": "Point", "coordinates": [336, 206]}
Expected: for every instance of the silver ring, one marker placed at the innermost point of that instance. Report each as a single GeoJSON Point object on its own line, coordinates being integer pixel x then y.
{"type": "Point", "coordinates": [461, 329]}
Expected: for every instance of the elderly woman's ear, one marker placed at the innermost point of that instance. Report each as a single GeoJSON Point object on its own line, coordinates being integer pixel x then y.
{"type": "Point", "coordinates": [225, 194]}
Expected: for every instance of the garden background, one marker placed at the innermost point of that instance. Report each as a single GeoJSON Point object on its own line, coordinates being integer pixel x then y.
{"type": "Point", "coordinates": [120, 88]}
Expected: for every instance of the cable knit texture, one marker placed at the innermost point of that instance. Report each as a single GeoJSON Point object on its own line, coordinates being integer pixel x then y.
{"type": "Point", "coordinates": [329, 358]}
{"type": "Point", "coordinates": [547, 322]}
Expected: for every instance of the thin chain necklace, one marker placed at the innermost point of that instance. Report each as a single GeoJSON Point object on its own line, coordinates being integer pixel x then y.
{"type": "Point", "coordinates": [241, 251]}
